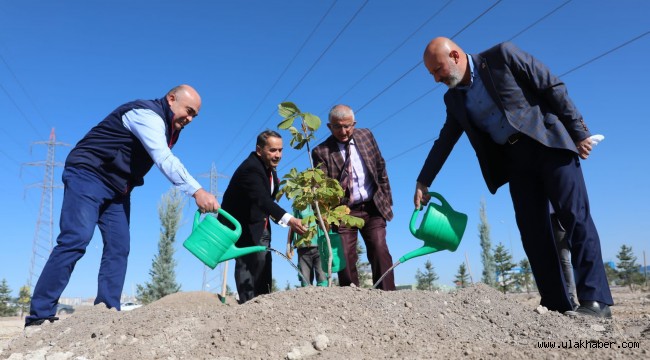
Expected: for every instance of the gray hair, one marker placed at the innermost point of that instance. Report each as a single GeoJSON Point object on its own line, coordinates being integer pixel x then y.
{"type": "Point", "coordinates": [340, 111]}
{"type": "Point", "coordinates": [264, 135]}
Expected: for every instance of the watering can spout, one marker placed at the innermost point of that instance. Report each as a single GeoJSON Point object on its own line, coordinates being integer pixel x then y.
{"type": "Point", "coordinates": [418, 252]}
{"type": "Point", "coordinates": [235, 252]}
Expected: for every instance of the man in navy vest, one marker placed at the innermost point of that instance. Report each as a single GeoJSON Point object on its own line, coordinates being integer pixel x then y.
{"type": "Point", "coordinates": [99, 174]}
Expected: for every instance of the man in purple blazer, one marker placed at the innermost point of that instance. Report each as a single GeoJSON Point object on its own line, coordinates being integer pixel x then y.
{"type": "Point", "coordinates": [527, 132]}
{"type": "Point", "coordinates": [352, 156]}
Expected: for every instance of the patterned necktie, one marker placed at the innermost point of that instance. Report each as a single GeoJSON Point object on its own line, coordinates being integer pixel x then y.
{"type": "Point", "coordinates": [346, 174]}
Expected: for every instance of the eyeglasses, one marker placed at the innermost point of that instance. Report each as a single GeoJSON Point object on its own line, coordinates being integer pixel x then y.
{"type": "Point", "coordinates": [346, 126]}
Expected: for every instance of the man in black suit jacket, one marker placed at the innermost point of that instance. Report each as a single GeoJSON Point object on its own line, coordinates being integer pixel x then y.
{"type": "Point", "coordinates": [527, 132]}
{"type": "Point", "coordinates": [250, 198]}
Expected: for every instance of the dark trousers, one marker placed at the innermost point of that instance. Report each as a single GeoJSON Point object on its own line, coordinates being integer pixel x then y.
{"type": "Point", "coordinates": [310, 267]}
{"type": "Point", "coordinates": [87, 202]}
{"type": "Point", "coordinates": [562, 244]}
{"type": "Point", "coordinates": [374, 236]}
{"type": "Point", "coordinates": [253, 273]}
{"type": "Point", "coordinates": [539, 174]}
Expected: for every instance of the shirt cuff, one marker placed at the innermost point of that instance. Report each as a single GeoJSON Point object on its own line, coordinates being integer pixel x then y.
{"type": "Point", "coordinates": [284, 222]}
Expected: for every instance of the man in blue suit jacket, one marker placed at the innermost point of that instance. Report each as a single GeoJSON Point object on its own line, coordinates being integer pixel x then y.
{"type": "Point", "coordinates": [527, 132]}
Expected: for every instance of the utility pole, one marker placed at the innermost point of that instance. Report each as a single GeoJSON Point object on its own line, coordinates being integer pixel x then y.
{"type": "Point", "coordinates": [44, 234]}
{"type": "Point", "coordinates": [223, 268]}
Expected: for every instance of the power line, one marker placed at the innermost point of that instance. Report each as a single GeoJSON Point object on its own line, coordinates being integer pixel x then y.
{"type": "Point", "coordinates": [20, 111]}
{"type": "Point", "coordinates": [31, 101]}
{"type": "Point", "coordinates": [393, 51]}
{"type": "Point", "coordinates": [410, 149]}
{"type": "Point", "coordinates": [305, 74]}
{"type": "Point", "coordinates": [539, 20]}
{"type": "Point", "coordinates": [232, 139]}
{"type": "Point", "coordinates": [409, 71]}
{"type": "Point", "coordinates": [405, 106]}
{"type": "Point", "coordinates": [605, 53]}
{"type": "Point", "coordinates": [420, 62]}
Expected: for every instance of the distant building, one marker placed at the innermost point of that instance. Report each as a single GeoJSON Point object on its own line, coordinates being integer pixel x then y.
{"type": "Point", "coordinates": [404, 287]}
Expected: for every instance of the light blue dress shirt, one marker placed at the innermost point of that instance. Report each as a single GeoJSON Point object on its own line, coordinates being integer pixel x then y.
{"type": "Point", "coordinates": [149, 128]}
{"type": "Point", "coordinates": [483, 111]}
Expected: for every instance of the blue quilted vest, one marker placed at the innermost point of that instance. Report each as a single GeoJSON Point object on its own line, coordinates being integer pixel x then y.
{"type": "Point", "coordinates": [113, 153]}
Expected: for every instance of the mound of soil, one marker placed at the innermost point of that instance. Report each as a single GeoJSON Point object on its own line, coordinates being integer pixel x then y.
{"type": "Point", "coordinates": [339, 323]}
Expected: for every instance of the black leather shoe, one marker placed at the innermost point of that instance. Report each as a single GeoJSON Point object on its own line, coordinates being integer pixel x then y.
{"type": "Point", "coordinates": [37, 322]}
{"type": "Point", "coordinates": [595, 309]}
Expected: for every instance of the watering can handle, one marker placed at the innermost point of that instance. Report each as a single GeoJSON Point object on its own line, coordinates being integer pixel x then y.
{"type": "Point", "coordinates": [417, 210]}
{"type": "Point", "coordinates": [444, 202]}
{"type": "Point", "coordinates": [229, 217]}
{"type": "Point", "coordinates": [413, 218]}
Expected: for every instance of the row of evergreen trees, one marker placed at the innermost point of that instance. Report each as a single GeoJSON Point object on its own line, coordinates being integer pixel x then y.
{"type": "Point", "coordinates": [13, 306]}
{"type": "Point", "coordinates": [499, 268]}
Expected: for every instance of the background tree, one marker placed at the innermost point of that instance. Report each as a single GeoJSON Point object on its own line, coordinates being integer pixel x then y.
{"type": "Point", "coordinates": [627, 266]}
{"type": "Point", "coordinates": [611, 273]}
{"type": "Point", "coordinates": [274, 285]}
{"type": "Point", "coordinates": [504, 266]}
{"type": "Point", "coordinates": [363, 267]}
{"type": "Point", "coordinates": [462, 277]}
{"type": "Point", "coordinates": [526, 275]}
{"type": "Point", "coordinates": [288, 286]}
{"type": "Point", "coordinates": [5, 300]}
{"type": "Point", "coordinates": [426, 280]}
{"type": "Point", "coordinates": [163, 267]}
{"type": "Point", "coordinates": [489, 268]}
{"type": "Point", "coordinates": [24, 299]}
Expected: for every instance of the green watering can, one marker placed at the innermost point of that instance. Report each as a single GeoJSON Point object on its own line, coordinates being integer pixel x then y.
{"type": "Point", "coordinates": [213, 242]}
{"type": "Point", "coordinates": [338, 260]}
{"type": "Point", "coordinates": [441, 228]}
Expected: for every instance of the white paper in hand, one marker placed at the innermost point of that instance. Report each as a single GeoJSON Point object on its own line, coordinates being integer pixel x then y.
{"type": "Point", "coordinates": [595, 139]}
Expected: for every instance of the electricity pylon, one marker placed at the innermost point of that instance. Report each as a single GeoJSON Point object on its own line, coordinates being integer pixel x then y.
{"type": "Point", "coordinates": [223, 267]}
{"type": "Point", "coordinates": [44, 233]}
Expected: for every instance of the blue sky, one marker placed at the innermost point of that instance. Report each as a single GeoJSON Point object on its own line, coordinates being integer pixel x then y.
{"type": "Point", "coordinates": [66, 64]}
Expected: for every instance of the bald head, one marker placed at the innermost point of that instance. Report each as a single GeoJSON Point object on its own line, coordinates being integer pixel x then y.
{"type": "Point", "coordinates": [447, 62]}
{"type": "Point", "coordinates": [185, 91]}
{"type": "Point", "coordinates": [185, 103]}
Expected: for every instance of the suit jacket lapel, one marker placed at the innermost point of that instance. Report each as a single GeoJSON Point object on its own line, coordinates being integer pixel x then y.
{"type": "Point", "coordinates": [486, 77]}
{"type": "Point", "coordinates": [335, 153]}
{"type": "Point", "coordinates": [458, 105]}
{"type": "Point", "coordinates": [276, 183]}
{"type": "Point", "coordinates": [260, 164]}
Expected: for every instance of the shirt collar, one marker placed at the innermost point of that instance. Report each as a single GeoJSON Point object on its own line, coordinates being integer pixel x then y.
{"type": "Point", "coordinates": [471, 74]}
{"type": "Point", "coordinates": [351, 141]}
